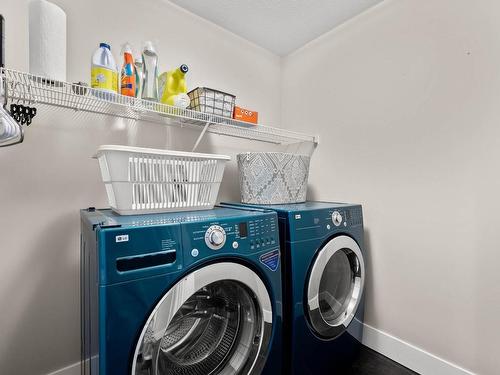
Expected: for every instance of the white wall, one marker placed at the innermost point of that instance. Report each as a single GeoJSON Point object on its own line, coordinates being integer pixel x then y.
{"type": "Point", "coordinates": [406, 98]}
{"type": "Point", "coordinates": [47, 179]}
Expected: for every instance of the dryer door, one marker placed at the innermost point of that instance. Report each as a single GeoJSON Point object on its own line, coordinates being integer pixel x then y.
{"type": "Point", "coordinates": [216, 320]}
{"type": "Point", "coordinates": [335, 286]}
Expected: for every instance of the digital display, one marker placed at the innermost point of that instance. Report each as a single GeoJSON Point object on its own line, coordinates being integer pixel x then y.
{"type": "Point", "coordinates": [243, 229]}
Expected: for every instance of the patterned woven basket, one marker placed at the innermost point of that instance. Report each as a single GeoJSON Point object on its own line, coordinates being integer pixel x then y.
{"type": "Point", "coordinates": [273, 177]}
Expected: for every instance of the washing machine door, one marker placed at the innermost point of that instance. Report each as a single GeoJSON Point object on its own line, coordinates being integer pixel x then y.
{"type": "Point", "coordinates": [335, 286]}
{"type": "Point", "coordinates": [216, 320]}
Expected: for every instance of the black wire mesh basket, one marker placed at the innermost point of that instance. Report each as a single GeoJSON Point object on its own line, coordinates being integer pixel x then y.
{"type": "Point", "coordinates": [204, 99]}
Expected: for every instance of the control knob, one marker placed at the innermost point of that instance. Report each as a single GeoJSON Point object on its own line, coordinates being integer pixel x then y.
{"type": "Point", "coordinates": [215, 237]}
{"type": "Point", "coordinates": [336, 218]}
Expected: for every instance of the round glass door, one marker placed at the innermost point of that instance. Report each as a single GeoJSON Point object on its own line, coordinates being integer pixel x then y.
{"type": "Point", "coordinates": [217, 320]}
{"type": "Point", "coordinates": [335, 286]}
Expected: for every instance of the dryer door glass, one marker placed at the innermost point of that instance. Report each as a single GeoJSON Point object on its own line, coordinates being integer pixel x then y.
{"type": "Point", "coordinates": [217, 320]}
{"type": "Point", "coordinates": [335, 286]}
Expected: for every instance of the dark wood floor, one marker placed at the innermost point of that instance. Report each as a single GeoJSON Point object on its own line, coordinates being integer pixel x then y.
{"type": "Point", "coordinates": [373, 363]}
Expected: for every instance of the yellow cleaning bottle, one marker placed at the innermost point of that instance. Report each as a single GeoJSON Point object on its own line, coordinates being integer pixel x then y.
{"type": "Point", "coordinates": [173, 87]}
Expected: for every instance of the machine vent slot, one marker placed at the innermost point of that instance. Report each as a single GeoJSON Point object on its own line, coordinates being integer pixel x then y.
{"type": "Point", "coordinates": [145, 261]}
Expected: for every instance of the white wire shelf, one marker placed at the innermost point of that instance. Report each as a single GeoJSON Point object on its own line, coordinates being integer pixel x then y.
{"type": "Point", "coordinates": [28, 88]}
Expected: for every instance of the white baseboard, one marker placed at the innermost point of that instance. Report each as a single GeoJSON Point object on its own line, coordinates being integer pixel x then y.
{"type": "Point", "coordinates": [73, 369]}
{"type": "Point", "coordinates": [396, 349]}
{"type": "Point", "coordinates": [408, 355]}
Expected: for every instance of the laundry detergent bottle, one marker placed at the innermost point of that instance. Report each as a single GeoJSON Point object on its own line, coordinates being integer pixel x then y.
{"type": "Point", "coordinates": [128, 72]}
{"type": "Point", "coordinates": [173, 87]}
{"type": "Point", "coordinates": [104, 75]}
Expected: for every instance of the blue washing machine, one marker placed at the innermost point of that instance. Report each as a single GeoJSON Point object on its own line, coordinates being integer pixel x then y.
{"type": "Point", "coordinates": [181, 293]}
{"type": "Point", "coordinates": [323, 280]}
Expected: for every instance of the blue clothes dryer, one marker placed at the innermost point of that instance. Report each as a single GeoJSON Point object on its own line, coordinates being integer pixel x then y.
{"type": "Point", "coordinates": [323, 280]}
{"type": "Point", "coordinates": [181, 293]}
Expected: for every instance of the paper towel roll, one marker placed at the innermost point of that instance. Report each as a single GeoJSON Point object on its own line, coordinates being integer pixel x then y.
{"type": "Point", "coordinates": [47, 34]}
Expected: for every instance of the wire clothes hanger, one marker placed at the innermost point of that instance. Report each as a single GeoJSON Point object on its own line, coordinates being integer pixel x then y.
{"type": "Point", "coordinates": [7, 122]}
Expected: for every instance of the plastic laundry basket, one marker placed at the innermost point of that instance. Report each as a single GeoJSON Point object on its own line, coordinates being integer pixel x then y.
{"type": "Point", "coordinates": [144, 180]}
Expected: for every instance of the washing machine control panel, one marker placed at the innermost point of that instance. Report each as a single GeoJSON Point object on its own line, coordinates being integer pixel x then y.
{"type": "Point", "coordinates": [215, 237]}
{"type": "Point", "coordinates": [246, 235]}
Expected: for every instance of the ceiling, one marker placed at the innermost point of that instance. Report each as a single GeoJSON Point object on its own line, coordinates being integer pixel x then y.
{"type": "Point", "coordinates": [281, 26]}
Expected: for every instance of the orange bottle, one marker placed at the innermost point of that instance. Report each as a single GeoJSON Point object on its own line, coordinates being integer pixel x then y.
{"type": "Point", "coordinates": [128, 73]}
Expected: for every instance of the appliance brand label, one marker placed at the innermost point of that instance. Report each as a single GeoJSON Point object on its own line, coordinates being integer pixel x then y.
{"type": "Point", "coordinates": [122, 238]}
{"type": "Point", "coordinates": [271, 259]}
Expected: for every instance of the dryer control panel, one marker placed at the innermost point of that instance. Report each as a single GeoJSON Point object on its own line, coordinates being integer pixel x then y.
{"type": "Point", "coordinates": [324, 222]}
{"type": "Point", "coordinates": [307, 220]}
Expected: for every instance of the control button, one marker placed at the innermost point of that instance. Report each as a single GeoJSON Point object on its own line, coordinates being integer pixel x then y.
{"type": "Point", "coordinates": [235, 245]}
{"type": "Point", "coordinates": [195, 253]}
{"type": "Point", "coordinates": [336, 218]}
{"type": "Point", "coordinates": [215, 237]}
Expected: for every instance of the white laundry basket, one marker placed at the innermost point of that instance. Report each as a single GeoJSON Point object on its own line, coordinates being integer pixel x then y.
{"type": "Point", "coordinates": [144, 180]}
